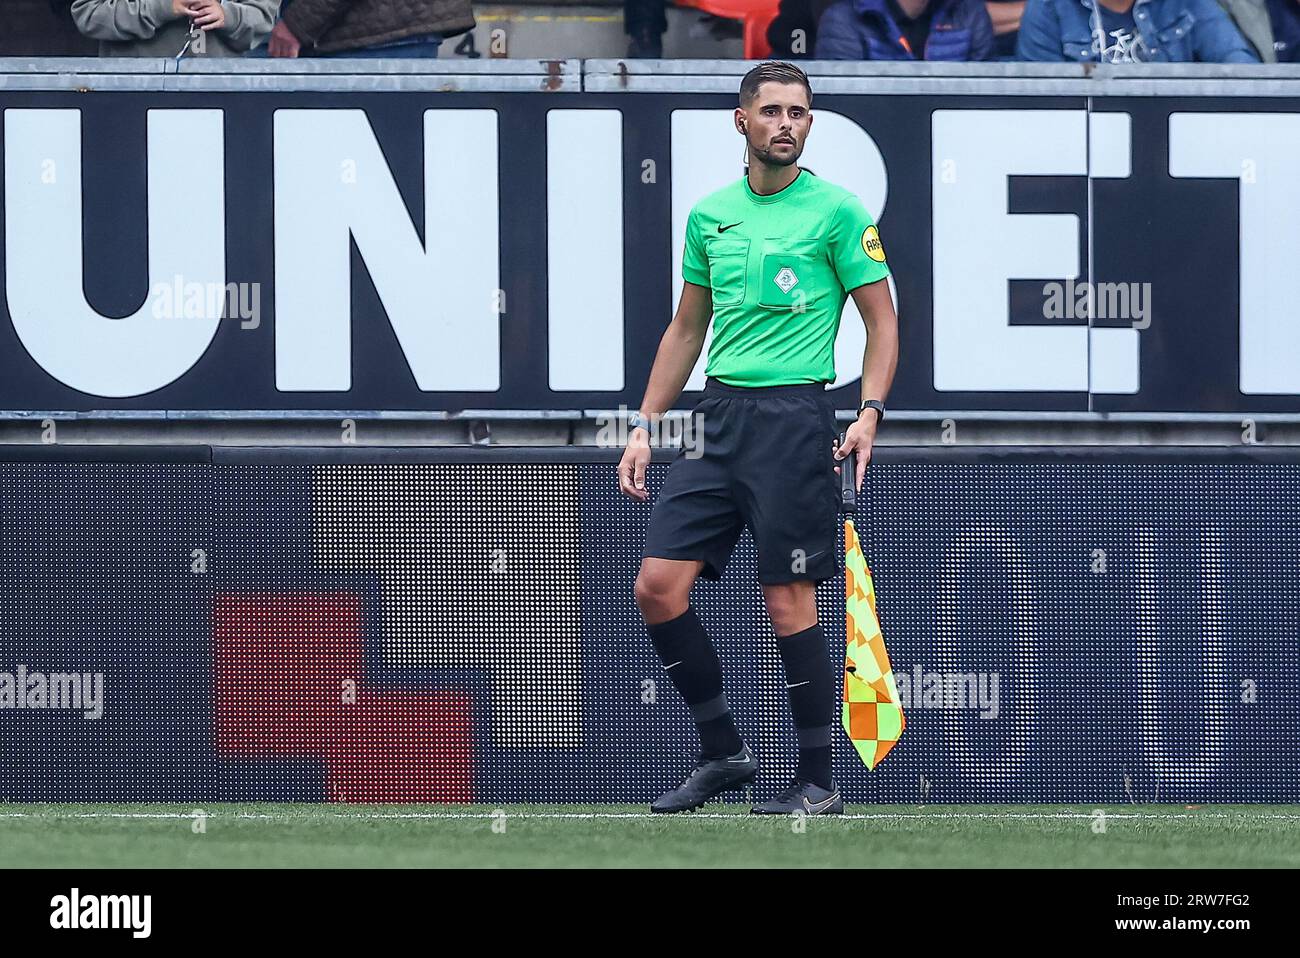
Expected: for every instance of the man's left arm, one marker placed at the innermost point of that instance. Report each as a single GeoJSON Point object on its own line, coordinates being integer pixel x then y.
{"type": "Point", "coordinates": [879, 361]}
{"type": "Point", "coordinates": [858, 256]}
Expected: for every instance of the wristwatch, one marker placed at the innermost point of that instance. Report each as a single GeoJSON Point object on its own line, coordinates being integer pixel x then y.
{"type": "Point", "coordinates": [637, 421]}
{"type": "Point", "coordinates": [875, 404]}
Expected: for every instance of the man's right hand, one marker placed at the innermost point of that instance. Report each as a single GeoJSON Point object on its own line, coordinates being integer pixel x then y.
{"type": "Point", "coordinates": [183, 8]}
{"type": "Point", "coordinates": [208, 14]}
{"type": "Point", "coordinates": [283, 43]}
{"type": "Point", "coordinates": [631, 470]}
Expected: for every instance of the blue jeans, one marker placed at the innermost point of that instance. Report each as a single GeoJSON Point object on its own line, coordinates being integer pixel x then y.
{"type": "Point", "coordinates": [426, 48]}
{"type": "Point", "coordinates": [423, 48]}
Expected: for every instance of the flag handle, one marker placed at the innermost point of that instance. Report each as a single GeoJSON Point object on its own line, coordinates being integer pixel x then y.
{"type": "Point", "coordinates": [848, 473]}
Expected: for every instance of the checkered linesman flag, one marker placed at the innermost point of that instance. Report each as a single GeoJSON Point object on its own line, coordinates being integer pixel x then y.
{"type": "Point", "coordinates": [872, 714]}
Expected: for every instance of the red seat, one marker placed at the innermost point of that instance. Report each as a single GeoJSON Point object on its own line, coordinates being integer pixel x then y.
{"type": "Point", "coordinates": [757, 16]}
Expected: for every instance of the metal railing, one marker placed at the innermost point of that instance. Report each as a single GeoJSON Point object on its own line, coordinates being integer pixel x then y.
{"type": "Point", "coordinates": [90, 74]}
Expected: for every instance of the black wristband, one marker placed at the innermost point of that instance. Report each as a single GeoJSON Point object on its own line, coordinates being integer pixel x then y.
{"type": "Point", "coordinates": [875, 404]}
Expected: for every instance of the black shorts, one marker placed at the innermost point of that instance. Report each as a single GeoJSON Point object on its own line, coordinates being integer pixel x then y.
{"type": "Point", "coordinates": [764, 458]}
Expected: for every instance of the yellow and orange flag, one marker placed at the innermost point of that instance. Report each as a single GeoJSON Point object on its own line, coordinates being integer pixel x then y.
{"type": "Point", "coordinates": [872, 716]}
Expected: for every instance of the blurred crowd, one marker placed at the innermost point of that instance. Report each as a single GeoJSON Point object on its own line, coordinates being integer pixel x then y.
{"type": "Point", "coordinates": [233, 28]}
{"type": "Point", "coordinates": [1111, 31]}
{"type": "Point", "coordinates": [1062, 31]}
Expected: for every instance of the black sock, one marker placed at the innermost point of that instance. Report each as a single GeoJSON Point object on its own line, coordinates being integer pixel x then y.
{"type": "Point", "coordinates": [688, 656]}
{"type": "Point", "coordinates": [812, 700]}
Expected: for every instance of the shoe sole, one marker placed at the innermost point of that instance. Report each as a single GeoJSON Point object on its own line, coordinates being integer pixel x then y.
{"type": "Point", "coordinates": [797, 811]}
{"type": "Point", "coordinates": [740, 783]}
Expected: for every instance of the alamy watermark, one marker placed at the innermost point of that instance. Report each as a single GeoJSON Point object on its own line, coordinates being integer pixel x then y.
{"type": "Point", "coordinates": [1130, 302]}
{"type": "Point", "coordinates": [74, 691]}
{"type": "Point", "coordinates": [974, 691]}
{"type": "Point", "coordinates": [181, 300]}
{"type": "Point", "coordinates": [75, 911]}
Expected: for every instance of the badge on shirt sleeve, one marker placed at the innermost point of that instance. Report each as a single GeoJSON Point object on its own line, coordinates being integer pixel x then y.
{"type": "Point", "coordinates": [871, 244]}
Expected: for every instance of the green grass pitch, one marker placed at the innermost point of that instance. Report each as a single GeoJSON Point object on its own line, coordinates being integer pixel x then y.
{"type": "Point", "coordinates": [875, 836]}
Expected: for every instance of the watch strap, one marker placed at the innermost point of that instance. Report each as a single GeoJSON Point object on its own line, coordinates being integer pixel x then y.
{"type": "Point", "coordinates": [875, 404]}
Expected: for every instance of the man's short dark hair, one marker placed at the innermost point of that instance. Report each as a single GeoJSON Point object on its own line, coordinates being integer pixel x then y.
{"type": "Point", "coordinates": [772, 71]}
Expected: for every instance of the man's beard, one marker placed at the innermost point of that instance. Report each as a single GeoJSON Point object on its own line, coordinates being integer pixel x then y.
{"type": "Point", "coordinates": [765, 156]}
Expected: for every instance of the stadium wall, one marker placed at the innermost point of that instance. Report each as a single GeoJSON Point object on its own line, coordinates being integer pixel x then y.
{"type": "Point", "coordinates": [196, 623]}
{"type": "Point", "coordinates": [566, 186]}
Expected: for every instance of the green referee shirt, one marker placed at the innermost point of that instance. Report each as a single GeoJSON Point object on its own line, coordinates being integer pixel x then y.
{"type": "Point", "coordinates": [780, 268]}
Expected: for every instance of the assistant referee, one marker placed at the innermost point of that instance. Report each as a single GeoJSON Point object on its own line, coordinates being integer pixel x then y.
{"type": "Point", "coordinates": [771, 258]}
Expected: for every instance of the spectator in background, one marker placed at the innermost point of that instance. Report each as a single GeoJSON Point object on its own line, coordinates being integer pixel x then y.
{"type": "Point", "coordinates": [161, 28]}
{"type": "Point", "coordinates": [42, 28]}
{"type": "Point", "coordinates": [1131, 31]}
{"type": "Point", "coordinates": [368, 28]}
{"type": "Point", "coordinates": [645, 22]}
{"type": "Point", "coordinates": [793, 33]}
{"type": "Point", "coordinates": [951, 30]}
{"type": "Point", "coordinates": [1285, 17]}
{"type": "Point", "coordinates": [1252, 19]}
{"type": "Point", "coordinates": [1005, 15]}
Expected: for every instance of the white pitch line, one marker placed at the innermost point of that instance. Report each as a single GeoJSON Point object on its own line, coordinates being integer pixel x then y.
{"type": "Point", "coordinates": [94, 815]}
{"type": "Point", "coordinates": [587, 816]}
{"type": "Point", "coordinates": [743, 817]}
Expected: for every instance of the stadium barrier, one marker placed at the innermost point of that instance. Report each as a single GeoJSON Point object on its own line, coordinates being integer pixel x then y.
{"type": "Point", "coordinates": [1095, 625]}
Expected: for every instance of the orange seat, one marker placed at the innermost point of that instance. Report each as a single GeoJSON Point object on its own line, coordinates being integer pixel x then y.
{"type": "Point", "coordinates": [757, 16]}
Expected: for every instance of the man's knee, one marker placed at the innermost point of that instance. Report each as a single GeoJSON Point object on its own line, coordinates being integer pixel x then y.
{"type": "Point", "coordinates": [663, 588]}
{"type": "Point", "coordinates": [792, 606]}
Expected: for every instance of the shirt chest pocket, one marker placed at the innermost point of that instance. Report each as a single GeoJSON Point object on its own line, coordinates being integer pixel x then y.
{"type": "Point", "coordinates": [728, 264]}
{"type": "Point", "coordinates": [1174, 42]}
{"type": "Point", "coordinates": [792, 275]}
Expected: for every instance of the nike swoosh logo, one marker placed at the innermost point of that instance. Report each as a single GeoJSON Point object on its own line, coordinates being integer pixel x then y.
{"type": "Point", "coordinates": [738, 761]}
{"type": "Point", "coordinates": [723, 229]}
{"type": "Point", "coordinates": [797, 684]}
{"type": "Point", "coordinates": [674, 665]}
{"type": "Point", "coordinates": [815, 807]}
